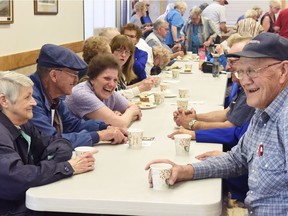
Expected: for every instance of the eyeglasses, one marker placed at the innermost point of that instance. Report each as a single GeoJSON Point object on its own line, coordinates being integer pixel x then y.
{"type": "Point", "coordinates": [122, 51]}
{"type": "Point", "coordinates": [253, 73]}
{"type": "Point", "coordinates": [70, 72]}
{"type": "Point", "coordinates": [131, 36]}
{"type": "Point", "coordinates": [166, 29]}
{"type": "Point", "coordinates": [231, 61]}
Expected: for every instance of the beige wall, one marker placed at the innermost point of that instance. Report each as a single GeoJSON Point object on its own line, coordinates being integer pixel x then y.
{"type": "Point", "coordinates": [30, 32]}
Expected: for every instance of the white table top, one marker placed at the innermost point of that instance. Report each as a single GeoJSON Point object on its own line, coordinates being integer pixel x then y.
{"type": "Point", "coordinates": [119, 185]}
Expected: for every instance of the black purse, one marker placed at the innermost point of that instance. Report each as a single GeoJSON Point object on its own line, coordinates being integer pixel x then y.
{"type": "Point", "coordinates": [207, 67]}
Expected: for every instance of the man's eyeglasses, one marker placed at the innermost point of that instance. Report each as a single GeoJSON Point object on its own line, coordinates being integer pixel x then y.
{"type": "Point", "coordinates": [231, 61]}
{"type": "Point", "coordinates": [131, 36]}
{"type": "Point", "coordinates": [70, 72]}
{"type": "Point", "coordinates": [166, 29]}
{"type": "Point", "coordinates": [253, 73]}
{"type": "Point", "coordinates": [122, 51]}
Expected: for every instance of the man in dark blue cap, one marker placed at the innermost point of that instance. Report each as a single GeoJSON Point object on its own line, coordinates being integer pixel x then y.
{"type": "Point", "coordinates": [57, 73]}
{"type": "Point", "coordinates": [262, 151]}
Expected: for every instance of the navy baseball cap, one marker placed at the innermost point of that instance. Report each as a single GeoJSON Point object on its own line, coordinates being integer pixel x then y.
{"type": "Point", "coordinates": [265, 45]}
{"type": "Point", "coordinates": [60, 57]}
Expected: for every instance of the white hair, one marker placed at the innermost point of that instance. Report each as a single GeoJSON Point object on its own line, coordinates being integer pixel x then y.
{"type": "Point", "coordinates": [11, 82]}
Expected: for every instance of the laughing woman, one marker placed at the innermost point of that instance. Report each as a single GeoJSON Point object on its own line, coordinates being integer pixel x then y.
{"type": "Point", "coordinates": [96, 98]}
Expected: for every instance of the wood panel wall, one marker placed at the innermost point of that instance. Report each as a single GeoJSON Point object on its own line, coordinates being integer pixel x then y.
{"type": "Point", "coordinates": [19, 60]}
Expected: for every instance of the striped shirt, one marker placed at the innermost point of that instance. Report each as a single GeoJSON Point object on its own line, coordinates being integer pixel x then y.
{"type": "Point", "coordinates": [261, 151]}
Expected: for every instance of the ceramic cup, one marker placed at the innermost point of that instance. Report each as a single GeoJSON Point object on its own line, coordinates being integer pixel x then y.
{"type": "Point", "coordinates": [182, 144]}
{"type": "Point", "coordinates": [135, 136]}
{"type": "Point", "coordinates": [160, 173]}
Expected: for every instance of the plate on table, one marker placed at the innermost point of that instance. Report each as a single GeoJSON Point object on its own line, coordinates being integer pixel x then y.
{"type": "Point", "coordinates": [186, 72]}
{"type": "Point", "coordinates": [170, 95]}
{"type": "Point", "coordinates": [171, 81]}
{"type": "Point", "coordinates": [145, 105]}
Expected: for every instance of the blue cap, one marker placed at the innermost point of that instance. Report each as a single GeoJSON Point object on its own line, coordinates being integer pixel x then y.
{"type": "Point", "coordinates": [265, 45]}
{"type": "Point", "coordinates": [60, 57]}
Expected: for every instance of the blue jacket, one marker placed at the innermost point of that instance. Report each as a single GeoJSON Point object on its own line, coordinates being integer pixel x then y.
{"type": "Point", "coordinates": [140, 59]}
{"type": "Point", "coordinates": [78, 131]}
{"type": "Point", "coordinates": [229, 137]}
{"type": "Point", "coordinates": [23, 167]}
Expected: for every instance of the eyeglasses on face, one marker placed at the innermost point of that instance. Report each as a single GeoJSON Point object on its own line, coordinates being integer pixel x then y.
{"type": "Point", "coordinates": [232, 61]}
{"type": "Point", "coordinates": [69, 72]}
{"type": "Point", "coordinates": [166, 29]}
{"type": "Point", "coordinates": [122, 51]}
{"type": "Point", "coordinates": [131, 36]}
{"type": "Point", "coordinates": [253, 73]}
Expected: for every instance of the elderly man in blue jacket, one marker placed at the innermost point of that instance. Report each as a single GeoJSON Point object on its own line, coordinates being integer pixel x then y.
{"type": "Point", "coordinates": [28, 157]}
{"type": "Point", "coordinates": [57, 73]}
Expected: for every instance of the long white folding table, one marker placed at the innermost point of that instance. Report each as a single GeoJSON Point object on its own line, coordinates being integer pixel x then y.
{"type": "Point", "coordinates": [119, 185]}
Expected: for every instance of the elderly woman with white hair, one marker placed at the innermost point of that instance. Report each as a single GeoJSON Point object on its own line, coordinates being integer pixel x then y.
{"type": "Point", "coordinates": [199, 31]}
{"type": "Point", "coordinates": [176, 22]}
{"type": "Point", "coordinates": [268, 19]}
{"type": "Point", "coordinates": [249, 25]}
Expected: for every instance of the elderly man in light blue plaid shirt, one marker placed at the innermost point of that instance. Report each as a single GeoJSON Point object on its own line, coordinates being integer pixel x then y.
{"type": "Point", "coordinates": [263, 73]}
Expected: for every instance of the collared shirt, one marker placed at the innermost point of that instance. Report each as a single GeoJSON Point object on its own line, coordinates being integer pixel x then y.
{"type": "Point", "coordinates": [240, 112]}
{"type": "Point", "coordinates": [174, 18]}
{"type": "Point", "coordinates": [205, 29]}
{"type": "Point", "coordinates": [268, 178]}
{"type": "Point", "coordinates": [155, 39]}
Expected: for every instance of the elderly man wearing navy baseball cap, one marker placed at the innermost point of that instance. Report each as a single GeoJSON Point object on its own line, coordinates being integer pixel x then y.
{"type": "Point", "coordinates": [57, 73]}
{"type": "Point", "coordinates": [262, 150]}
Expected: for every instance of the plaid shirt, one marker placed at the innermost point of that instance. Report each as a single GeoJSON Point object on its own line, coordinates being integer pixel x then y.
{"type": "Point", "coordinates": [268, 177]}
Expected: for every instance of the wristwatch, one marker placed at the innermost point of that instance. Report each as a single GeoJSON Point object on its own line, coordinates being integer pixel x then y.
{"type": "Point", "coordinates": [191, 124]}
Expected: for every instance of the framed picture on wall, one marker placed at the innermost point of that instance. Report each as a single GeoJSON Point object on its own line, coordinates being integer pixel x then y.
{"type": "Point", "coordinates": [6, 11]}
{"type": "Point", "coordinates": [45, 7]}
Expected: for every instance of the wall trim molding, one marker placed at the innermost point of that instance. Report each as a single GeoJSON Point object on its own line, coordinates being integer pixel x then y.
{"type": "Point", "coordinates": [23, 59]}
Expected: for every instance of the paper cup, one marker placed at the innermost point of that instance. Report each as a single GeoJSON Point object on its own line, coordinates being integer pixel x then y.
{"type": "Point", "coordinates": [160, 173]}
{"type": "Point", "coordinates": [164, 87]}
{"type": "Point", "coordinates": [182, 103]}
{"type": "Point", "coordinates": [175, 74]}
{"type": "Point", "coordinates": [188, 67]}
{"type": "Point", "coordinates": [135, 136]}
{"type": "Point", "coordinates": [158, 97]}
{"type": "Point", "coordinates": [182, 144]}
{"type": "Point", "coordinates": [157, 80]}
{"type": "Point", "coordinates": [83, 149]}
{"type": "Point", "coordinates": [183, 92]}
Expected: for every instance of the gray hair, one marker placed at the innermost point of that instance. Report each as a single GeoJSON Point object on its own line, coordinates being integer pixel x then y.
{"type": "Point", "coordinates": [258, 10]}
{"type": "Point", "coordinates": [180, 4]}
{"type": "Point", "coordinates": [195, 11]}
{"type": "Point", "coordinates": [11, 82]}
{"type": "Point", "coordinates": [251, 13]}
{"type": "Point", "coordinates": [158, 23]}
{"type": "Point", "coordinates": [274, 3]}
